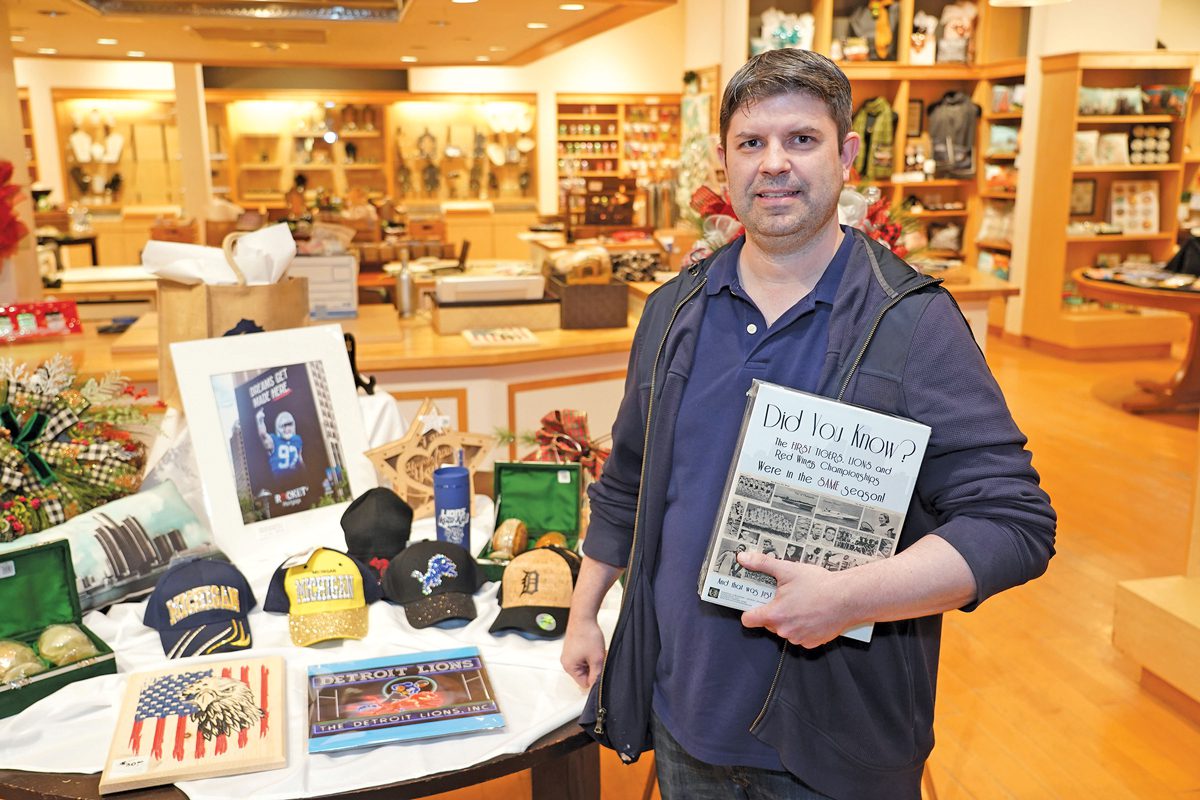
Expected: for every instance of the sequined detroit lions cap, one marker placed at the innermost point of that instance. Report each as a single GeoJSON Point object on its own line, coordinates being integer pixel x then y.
{"type": "Point", "coordinates": [325, 593]}
{"type": "Point", "coordinates": [535, 592]}
{"type": "Point", "coordinates": [199, 606]}
{"type": "Point", "coordinates": [434, 581]}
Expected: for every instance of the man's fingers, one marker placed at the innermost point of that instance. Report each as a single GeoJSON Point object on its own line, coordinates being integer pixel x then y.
{"type": "Point", "coordinates": [759, 563]}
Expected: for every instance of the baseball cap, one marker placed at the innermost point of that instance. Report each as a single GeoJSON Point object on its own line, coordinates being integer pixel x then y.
{"type": "Point", "coordinates": [535, 592]}
{"type": "Point", "coordinates": [325, 593]}
{"type": "Point", "coordinates": [434, 581]}
{"type": "Point", "coordinates": [377, 525]}
{"type": "Point", "coordinates": [199, 606]}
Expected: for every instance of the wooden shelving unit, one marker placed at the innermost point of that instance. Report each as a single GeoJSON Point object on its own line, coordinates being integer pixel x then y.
{"type": "Point", "coordinates": [617, 135]}
{"type": "Point", "coordinates": [410, 147]}
{"type": "Point", "coordinates": [1047, 320]}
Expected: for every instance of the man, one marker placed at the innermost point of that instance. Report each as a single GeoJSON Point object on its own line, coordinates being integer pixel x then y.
{"type": "Point", "coordinates": [285, 447]}
{"type": "Point", "coordinates": [798, 302]}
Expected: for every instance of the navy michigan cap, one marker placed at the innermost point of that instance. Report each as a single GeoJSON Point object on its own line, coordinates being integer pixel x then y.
{"type": "Point", "coordinates": [199, 607]}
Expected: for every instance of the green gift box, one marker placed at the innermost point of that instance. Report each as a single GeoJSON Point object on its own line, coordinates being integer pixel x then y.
{"type": "Point", "coordinates": [37, 590]}
{"type": "Point", "coordinates": [544, 495]}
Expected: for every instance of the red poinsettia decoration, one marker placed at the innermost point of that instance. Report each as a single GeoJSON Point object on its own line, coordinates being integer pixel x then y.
{"type": "Point", "coordinates": [12, 230]}
{"type": "Point", "coordinates": [882, 226]}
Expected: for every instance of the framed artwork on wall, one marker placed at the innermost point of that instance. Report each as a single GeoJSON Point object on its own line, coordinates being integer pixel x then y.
{"type": "Point", "coordinates": [1083, 197]}
{"type": "Point", "coordinates": [279, 437]}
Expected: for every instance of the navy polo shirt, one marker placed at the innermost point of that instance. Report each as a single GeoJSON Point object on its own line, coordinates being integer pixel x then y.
{"type": "Point", "coordinates": [712, 674]}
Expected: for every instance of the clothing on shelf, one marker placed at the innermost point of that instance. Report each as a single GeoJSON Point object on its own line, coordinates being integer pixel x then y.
{"type": "Point", "coordinates": [877, 22]}
{"type": "Point", "coordinates": [875, 123]}
{"type": "Point", "coordinates": [952, 123]}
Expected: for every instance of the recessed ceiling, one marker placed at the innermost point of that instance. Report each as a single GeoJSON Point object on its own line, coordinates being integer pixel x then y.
{"type": "Point", "coordinates": [305, 32]}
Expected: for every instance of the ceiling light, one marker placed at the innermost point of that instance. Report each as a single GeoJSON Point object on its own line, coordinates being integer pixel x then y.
{"type": "Point", "coordinates": [106, 41]}
{"type": "Point", "coordinates": [482, 58]}
{"type": "Point", "coordinates": [136, 53]}
{"type": "Point", "coordinates": [52, 13]}
{"type": "Point", "coordinates": [463, 2]}
{"type": "Point", "coordinates": [1024, 3]}
{"type": "Point", "coordinates": [497, 49]}
{"type": "Point", "coordinates": [16, 37]}
{"type": "Point", "coordinates": [409, 59]}
{"type": "Point", "coordinates": [571, 7]}
{"type": "Point", "coordinates": [47, 51]}
{"type": "Point", "coordinates": [536, 26]}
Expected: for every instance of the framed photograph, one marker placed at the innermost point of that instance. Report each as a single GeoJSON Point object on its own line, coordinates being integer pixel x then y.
{"type": "Point", "coordinates": [916, 117]}
{"type": "Point", "coordinates": [279, 438]}
{"type": "Point", "coordinates": [1083, 197]}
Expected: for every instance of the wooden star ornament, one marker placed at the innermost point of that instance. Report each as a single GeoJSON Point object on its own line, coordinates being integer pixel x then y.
{"type": "Point", "coordinates": [408, 463]}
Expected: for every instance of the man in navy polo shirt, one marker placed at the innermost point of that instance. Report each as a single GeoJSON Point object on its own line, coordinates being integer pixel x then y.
{"type": "Point", "coordinates": [771, 702]}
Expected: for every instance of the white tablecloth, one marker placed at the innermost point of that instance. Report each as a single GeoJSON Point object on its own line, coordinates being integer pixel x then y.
{"type": "Point", "coordinates": [70, 731]}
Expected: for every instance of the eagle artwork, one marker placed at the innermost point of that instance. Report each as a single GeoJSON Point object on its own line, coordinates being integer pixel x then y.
{"type": "Point", "coordinates": [198, 721]}
{"type": "Point", "coordinates": [223, 706]}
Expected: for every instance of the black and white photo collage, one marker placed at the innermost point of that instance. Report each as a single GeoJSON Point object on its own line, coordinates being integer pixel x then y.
{"type": "Point", "coordinates": [796, 524]}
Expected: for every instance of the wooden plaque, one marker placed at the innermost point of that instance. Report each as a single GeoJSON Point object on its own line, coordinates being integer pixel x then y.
{"type": "Point", "coordinates": [201, 720]}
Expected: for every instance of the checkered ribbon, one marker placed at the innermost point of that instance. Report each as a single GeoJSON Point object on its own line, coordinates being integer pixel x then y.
{"type": "Point", "coordinates": [564, 437]}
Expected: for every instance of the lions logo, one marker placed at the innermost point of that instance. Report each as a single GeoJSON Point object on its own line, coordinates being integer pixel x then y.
{"type": "Point", "coordinates": [440, 566]}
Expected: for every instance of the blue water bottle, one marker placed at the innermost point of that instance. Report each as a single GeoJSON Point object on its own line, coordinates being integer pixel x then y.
{"type": "Point", "coordinates": [452, 504]}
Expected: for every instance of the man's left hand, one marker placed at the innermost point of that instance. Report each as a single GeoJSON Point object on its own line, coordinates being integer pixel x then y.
{"type": "Point", "coordinates": [808, 608]}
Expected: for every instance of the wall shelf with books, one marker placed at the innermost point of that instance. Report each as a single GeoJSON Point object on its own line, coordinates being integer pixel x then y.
{"type": "Point", "coordinates": [1095, 204]}
{"type": "Point", "coordinates": [27, 133]}
{"type": "Point", "coordinates": [1002, 96]}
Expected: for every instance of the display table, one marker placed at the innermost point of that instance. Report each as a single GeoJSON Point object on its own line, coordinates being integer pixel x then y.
{"type": "Point", "coordinates": [565, 765]}
{"type": "Point", "coordinates": [1182, 391]}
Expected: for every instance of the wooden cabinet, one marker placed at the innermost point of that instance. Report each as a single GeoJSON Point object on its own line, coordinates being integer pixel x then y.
{"type": "Point", "coordinates": [1071, 193]}
{"type": "Point", "coordinates": [617, 135]}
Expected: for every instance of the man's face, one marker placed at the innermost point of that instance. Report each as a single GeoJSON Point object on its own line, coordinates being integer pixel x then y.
{"type": "Point", "coordinates": [784, 169]}
{"type": "Point", "coordinates": [287, 430]}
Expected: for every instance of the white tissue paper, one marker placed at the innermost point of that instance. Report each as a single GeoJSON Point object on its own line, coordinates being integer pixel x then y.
{"type": "Point", "coordinates": [263, 257]}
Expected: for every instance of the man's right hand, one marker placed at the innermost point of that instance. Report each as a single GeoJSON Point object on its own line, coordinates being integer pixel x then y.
{"type": "Point", "coordinates": [583, 651]}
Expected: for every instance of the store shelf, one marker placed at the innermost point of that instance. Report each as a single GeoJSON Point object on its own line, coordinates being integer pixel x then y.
{"type": "Point", "coordinates": [1088, 168]}
{"type": "Point", "coordinates": [1124, 119]}
{"type": "Point", "coordinates": [1121, 237]}
{"type": "Point", "coordinates": [260, 167]}
{"type": "Point", "coordinates": [1001, 156]}
{"type": "Point", "coordinates": [362, 167]}
{"type": "Point", "coordinates": [590, 117]}
{"type": "Point", "coordinates": [937, 183]}
{"type": "Point", "coordinates": [597, 138]}
{"type": "Point", "coordinates": [1014, 116]}
{"type": "Point", "coordinates": [994, 244]}
{"type": "Point", "coordinates": [939, 214]}
{"type": "Point", "coordinates": [998, 195]}
{"type": "Point", "coordinates": [941, 253]}
{"type": "Point", "coordinates": [312, 167]}
{"type": "Point", "coordinates": [360, 134]}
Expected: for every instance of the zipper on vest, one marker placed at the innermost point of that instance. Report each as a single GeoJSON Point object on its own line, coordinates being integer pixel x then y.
{"type": "Point", "coordinates": [845, 383]}
{"type": "Point", "coordinates": [601, 711]}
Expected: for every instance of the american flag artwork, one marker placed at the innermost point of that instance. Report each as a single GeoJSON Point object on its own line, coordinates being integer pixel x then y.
{"type": "Point", "coordinates": [201, 720]}
{"type": "Point", "coordinates": [202, 706]}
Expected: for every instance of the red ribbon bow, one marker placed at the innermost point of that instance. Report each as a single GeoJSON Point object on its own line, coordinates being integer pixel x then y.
{"type": "Point", "coordinates": [564, 437]}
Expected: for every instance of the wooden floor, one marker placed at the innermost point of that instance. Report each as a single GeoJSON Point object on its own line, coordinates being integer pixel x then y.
{"type": "Point", "coordinates": [1033, 701]}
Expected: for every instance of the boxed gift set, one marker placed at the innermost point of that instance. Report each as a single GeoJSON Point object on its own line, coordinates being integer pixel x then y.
{"type": "Point", "coordinates": [534, 499]}
{"type": "Point", "coordinates": [43, 645]}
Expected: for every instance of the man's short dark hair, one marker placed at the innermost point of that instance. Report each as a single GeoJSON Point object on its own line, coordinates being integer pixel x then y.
{"type": "Point", "coordinates": [779, 72]}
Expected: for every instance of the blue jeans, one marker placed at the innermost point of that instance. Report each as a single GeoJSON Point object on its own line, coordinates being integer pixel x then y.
{"type": "Point", "coordinates": [681, 777]}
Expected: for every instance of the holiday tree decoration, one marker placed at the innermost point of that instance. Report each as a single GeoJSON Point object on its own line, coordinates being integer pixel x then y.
{"type": "Point", "coordinates": [65, 446]}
